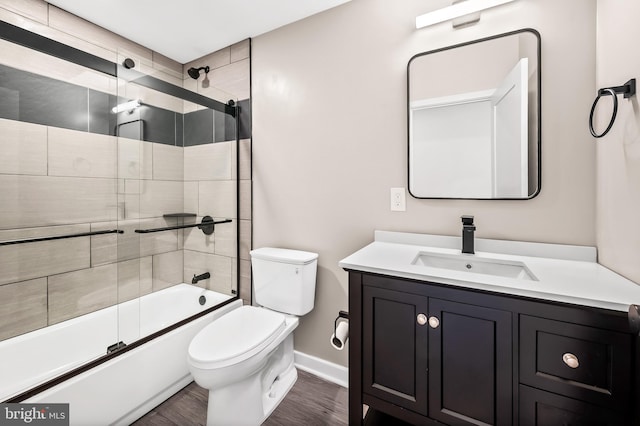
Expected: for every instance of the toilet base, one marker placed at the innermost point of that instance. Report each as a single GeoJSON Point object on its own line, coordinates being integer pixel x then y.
{"type": "Point", "coordinates": [250, 401]}
{"type": "Point", "coordinates": [279, 390]}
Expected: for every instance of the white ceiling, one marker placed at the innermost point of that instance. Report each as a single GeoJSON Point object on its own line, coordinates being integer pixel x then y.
{"type": "Point", "coordinates": [185, 30]}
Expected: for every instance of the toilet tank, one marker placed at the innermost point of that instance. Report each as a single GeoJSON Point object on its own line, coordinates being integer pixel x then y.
{"type": "Point", "coordinates": [284, 280]}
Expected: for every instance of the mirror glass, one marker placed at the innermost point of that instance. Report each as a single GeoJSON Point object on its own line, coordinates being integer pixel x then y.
{"type": "Point", "coordinates": [474, 119]}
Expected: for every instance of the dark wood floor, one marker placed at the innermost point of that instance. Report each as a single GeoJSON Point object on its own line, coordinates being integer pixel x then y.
{"type": "Point", "coordinates": [311, 402]}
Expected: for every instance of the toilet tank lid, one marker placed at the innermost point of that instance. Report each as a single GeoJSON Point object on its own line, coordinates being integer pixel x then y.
{"type": "Point", "coordinates": [284, 255]}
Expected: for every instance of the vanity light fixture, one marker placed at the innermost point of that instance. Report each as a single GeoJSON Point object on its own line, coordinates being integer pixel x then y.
{"type": "Point", "coordinates": [126, 106]}
{"type": "Point", "coordinates": [455, 11]}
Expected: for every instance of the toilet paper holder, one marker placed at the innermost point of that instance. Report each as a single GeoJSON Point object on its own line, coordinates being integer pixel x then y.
{"type": "Point", "coordinates": [336, 341]}
{"type": "Point", "coordinates": [342, 314]}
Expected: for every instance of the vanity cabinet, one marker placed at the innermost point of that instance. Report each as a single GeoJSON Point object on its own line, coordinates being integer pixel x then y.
{"type": "Point", "coordinates": [427, 353]}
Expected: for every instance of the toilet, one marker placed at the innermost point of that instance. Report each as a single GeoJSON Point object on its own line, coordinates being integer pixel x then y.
{"type": "Point", "coordinates": [245, 357]}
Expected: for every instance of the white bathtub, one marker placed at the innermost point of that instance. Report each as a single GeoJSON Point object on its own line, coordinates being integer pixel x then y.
{"type": "Point", "coordinates": [127, 386]}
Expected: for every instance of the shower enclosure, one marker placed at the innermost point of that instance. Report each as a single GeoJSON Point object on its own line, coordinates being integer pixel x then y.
{"type": "Point", "coordinates": [116, 183]}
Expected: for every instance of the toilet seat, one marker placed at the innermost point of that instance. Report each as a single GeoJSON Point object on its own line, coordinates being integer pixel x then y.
{"type": "Point", "coordinates": [235, 337]}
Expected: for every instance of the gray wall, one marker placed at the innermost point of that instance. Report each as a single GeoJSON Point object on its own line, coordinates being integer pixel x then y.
{"type": "Point", "coordinates": [618, 153]}
{"type": "Point", "coordinates": [330, 137]}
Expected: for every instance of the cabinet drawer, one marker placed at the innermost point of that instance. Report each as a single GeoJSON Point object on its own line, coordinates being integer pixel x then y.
{"type": "Point", "coordinates": [540, 408]}
{"type": "Point", "coordinates": [581, 362]}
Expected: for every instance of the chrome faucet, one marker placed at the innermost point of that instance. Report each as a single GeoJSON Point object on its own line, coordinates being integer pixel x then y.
{"type": "Point", "coordinates": [468, 228]}
{"type": "Point", "coordinates": [197, 278]}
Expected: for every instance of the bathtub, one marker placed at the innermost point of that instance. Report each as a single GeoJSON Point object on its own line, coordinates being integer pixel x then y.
{"type": "Point", "coordinates": [127, 386]}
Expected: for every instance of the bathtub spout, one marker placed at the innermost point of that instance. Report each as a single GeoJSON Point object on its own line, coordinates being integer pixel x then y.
{"type": "Point", "coordinates": [197, 278]}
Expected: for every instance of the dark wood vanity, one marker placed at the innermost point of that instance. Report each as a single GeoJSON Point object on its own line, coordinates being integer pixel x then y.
{"type": "Point", "coordinates": [430, 354]}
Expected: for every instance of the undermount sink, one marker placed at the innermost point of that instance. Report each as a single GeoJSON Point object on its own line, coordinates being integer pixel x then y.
{"type": "Point", "coordinates": [464, 263]}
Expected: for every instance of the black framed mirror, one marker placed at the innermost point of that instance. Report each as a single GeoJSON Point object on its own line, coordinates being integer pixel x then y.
{"type": "Point", "coordinates": [474, 117]}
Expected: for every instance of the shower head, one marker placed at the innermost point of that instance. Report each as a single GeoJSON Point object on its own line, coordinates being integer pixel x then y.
{"type": "Point", "coordinates": [194, 73]}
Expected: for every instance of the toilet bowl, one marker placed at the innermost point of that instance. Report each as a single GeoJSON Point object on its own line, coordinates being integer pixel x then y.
{"type": "Point", "coordinates": [245, 358]}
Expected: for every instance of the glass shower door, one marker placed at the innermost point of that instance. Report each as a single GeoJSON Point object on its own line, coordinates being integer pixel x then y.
{"type": "Point", "coordinates": [58, 217]}
{"type": "Point", "coordinates": [169, 182]}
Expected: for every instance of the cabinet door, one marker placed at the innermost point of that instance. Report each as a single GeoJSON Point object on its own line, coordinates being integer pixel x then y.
{"type": "Point", "coordinates": [470, 364]}
{"type": "Point", "coordinates": [394, 355]}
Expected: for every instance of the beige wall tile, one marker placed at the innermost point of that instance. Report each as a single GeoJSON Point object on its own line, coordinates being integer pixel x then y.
{"type": "Point", "coordinates": [190, 106]}
{"type": "Point", "coordinates": [134, 278]}
{"type": "Point", "coordinates": [245, 199]}
{"type": "Point", "coordinates": [218, 266]}
{"type": "Point", "coordinates": [245, 239]}
{"type": "Point", "coordinates": [215, 91]}
{"type": "Point", "coordinates": [23, 307]}
{"type": "Point", "coordinates": [148, 67]}
{"type": "Point", "coordinates": [240, 50]}
{"type": "Point", "coordinates": [168, 162]}
{"type": "Point", "coordinates": [208, 161]}
{"type": "Point", "coordinates": [161, 197]}
{"type": "Point", "coordinates": [30, 60]}
{"type": "Point", "coordinates": [217, 59]}
{"type": "Point", "coordinates": [225, 238]}
{"type": "Point", "coordinates": [245, 159]}
{"type": "Point", "coordinates": [54, 34]}
{"type": "Point", "coordinates": [85, 30]}
{"type": "Point", "coordinates": [81, 292]}
{"type": "Point", "coordinates": [130, 245]}
{"type": "Point", "coordinates": [191, 197]}
{"type": "Point", "coordinates": [233, 78]}
{"type": "Point", "coordinates": [161, 73]}
{"type": "Point", "coordinates": [245, 281]}
{"type": "Point", "coordinates": [31, 260]}
{"type": "Point", "coordinates": [141, 63]}
{"type": "Point", "coordinates": [47, 200]}
{"type": "Point", "coordinates": [23, 147]}
{"type": "Point", "coordinates": [150, 198]}
{"type": "Point", "coordinates": [234, 159]}
{"type": "Point", "coordinates": [217, 199]}
{"type": "Point", "coordinates": [135, 159]}
{"type": "Point", "coordinates": [167, 269]}
{"type": "Point", "coordinates": [32, 9]}
{"type": "Point", "coordinates": [81, 154]}
{"type": "Point", "coordinates": [163, 63]}
{"type": "Point", "coordinates": [180, 237]}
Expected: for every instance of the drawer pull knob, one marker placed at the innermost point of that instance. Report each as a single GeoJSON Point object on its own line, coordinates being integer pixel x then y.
{"type": "Point", "coordinates": [571, 360]}
{"type": "Point", "coordinates": [422, 319]}
{"type": "Point", "coordinates": [434, 322]}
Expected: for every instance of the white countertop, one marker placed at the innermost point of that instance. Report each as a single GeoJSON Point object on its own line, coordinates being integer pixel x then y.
{"type": "Point", "coordinates": [568, 274]}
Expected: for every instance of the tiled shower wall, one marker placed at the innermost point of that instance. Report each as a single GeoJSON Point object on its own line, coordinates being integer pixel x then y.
{"type": "Point", "coordinates": [87, 191]}
{"type": "Point", "coordinates": [230, 71]}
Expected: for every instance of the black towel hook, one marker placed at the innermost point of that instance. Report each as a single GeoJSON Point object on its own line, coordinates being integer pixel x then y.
{"type": "Point", "coordinates": [628, 89]}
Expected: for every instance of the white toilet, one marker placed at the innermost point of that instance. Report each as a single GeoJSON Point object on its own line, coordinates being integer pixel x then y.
{"type": "Point", "coordinates": [245, 358]}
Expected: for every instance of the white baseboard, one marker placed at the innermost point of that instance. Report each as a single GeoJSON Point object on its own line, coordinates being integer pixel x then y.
{"type": "Point", "coordinates": [329, 371]}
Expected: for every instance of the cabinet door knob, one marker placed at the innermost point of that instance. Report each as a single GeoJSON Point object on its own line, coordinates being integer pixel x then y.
{"type": "Point", "coordinates": [434, 322]}
{"type": "Point", "coordinates": [422, 319]}
{"type": "Point", "coordinates": [571, 360]}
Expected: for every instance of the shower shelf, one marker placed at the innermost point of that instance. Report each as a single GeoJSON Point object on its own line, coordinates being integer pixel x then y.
{"type": "Point", "coordinates": [205, 226]}
{"type": "Point", "coordinates": [179, 215]}
{"type": "Point", "coordinates": [60, 237]}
